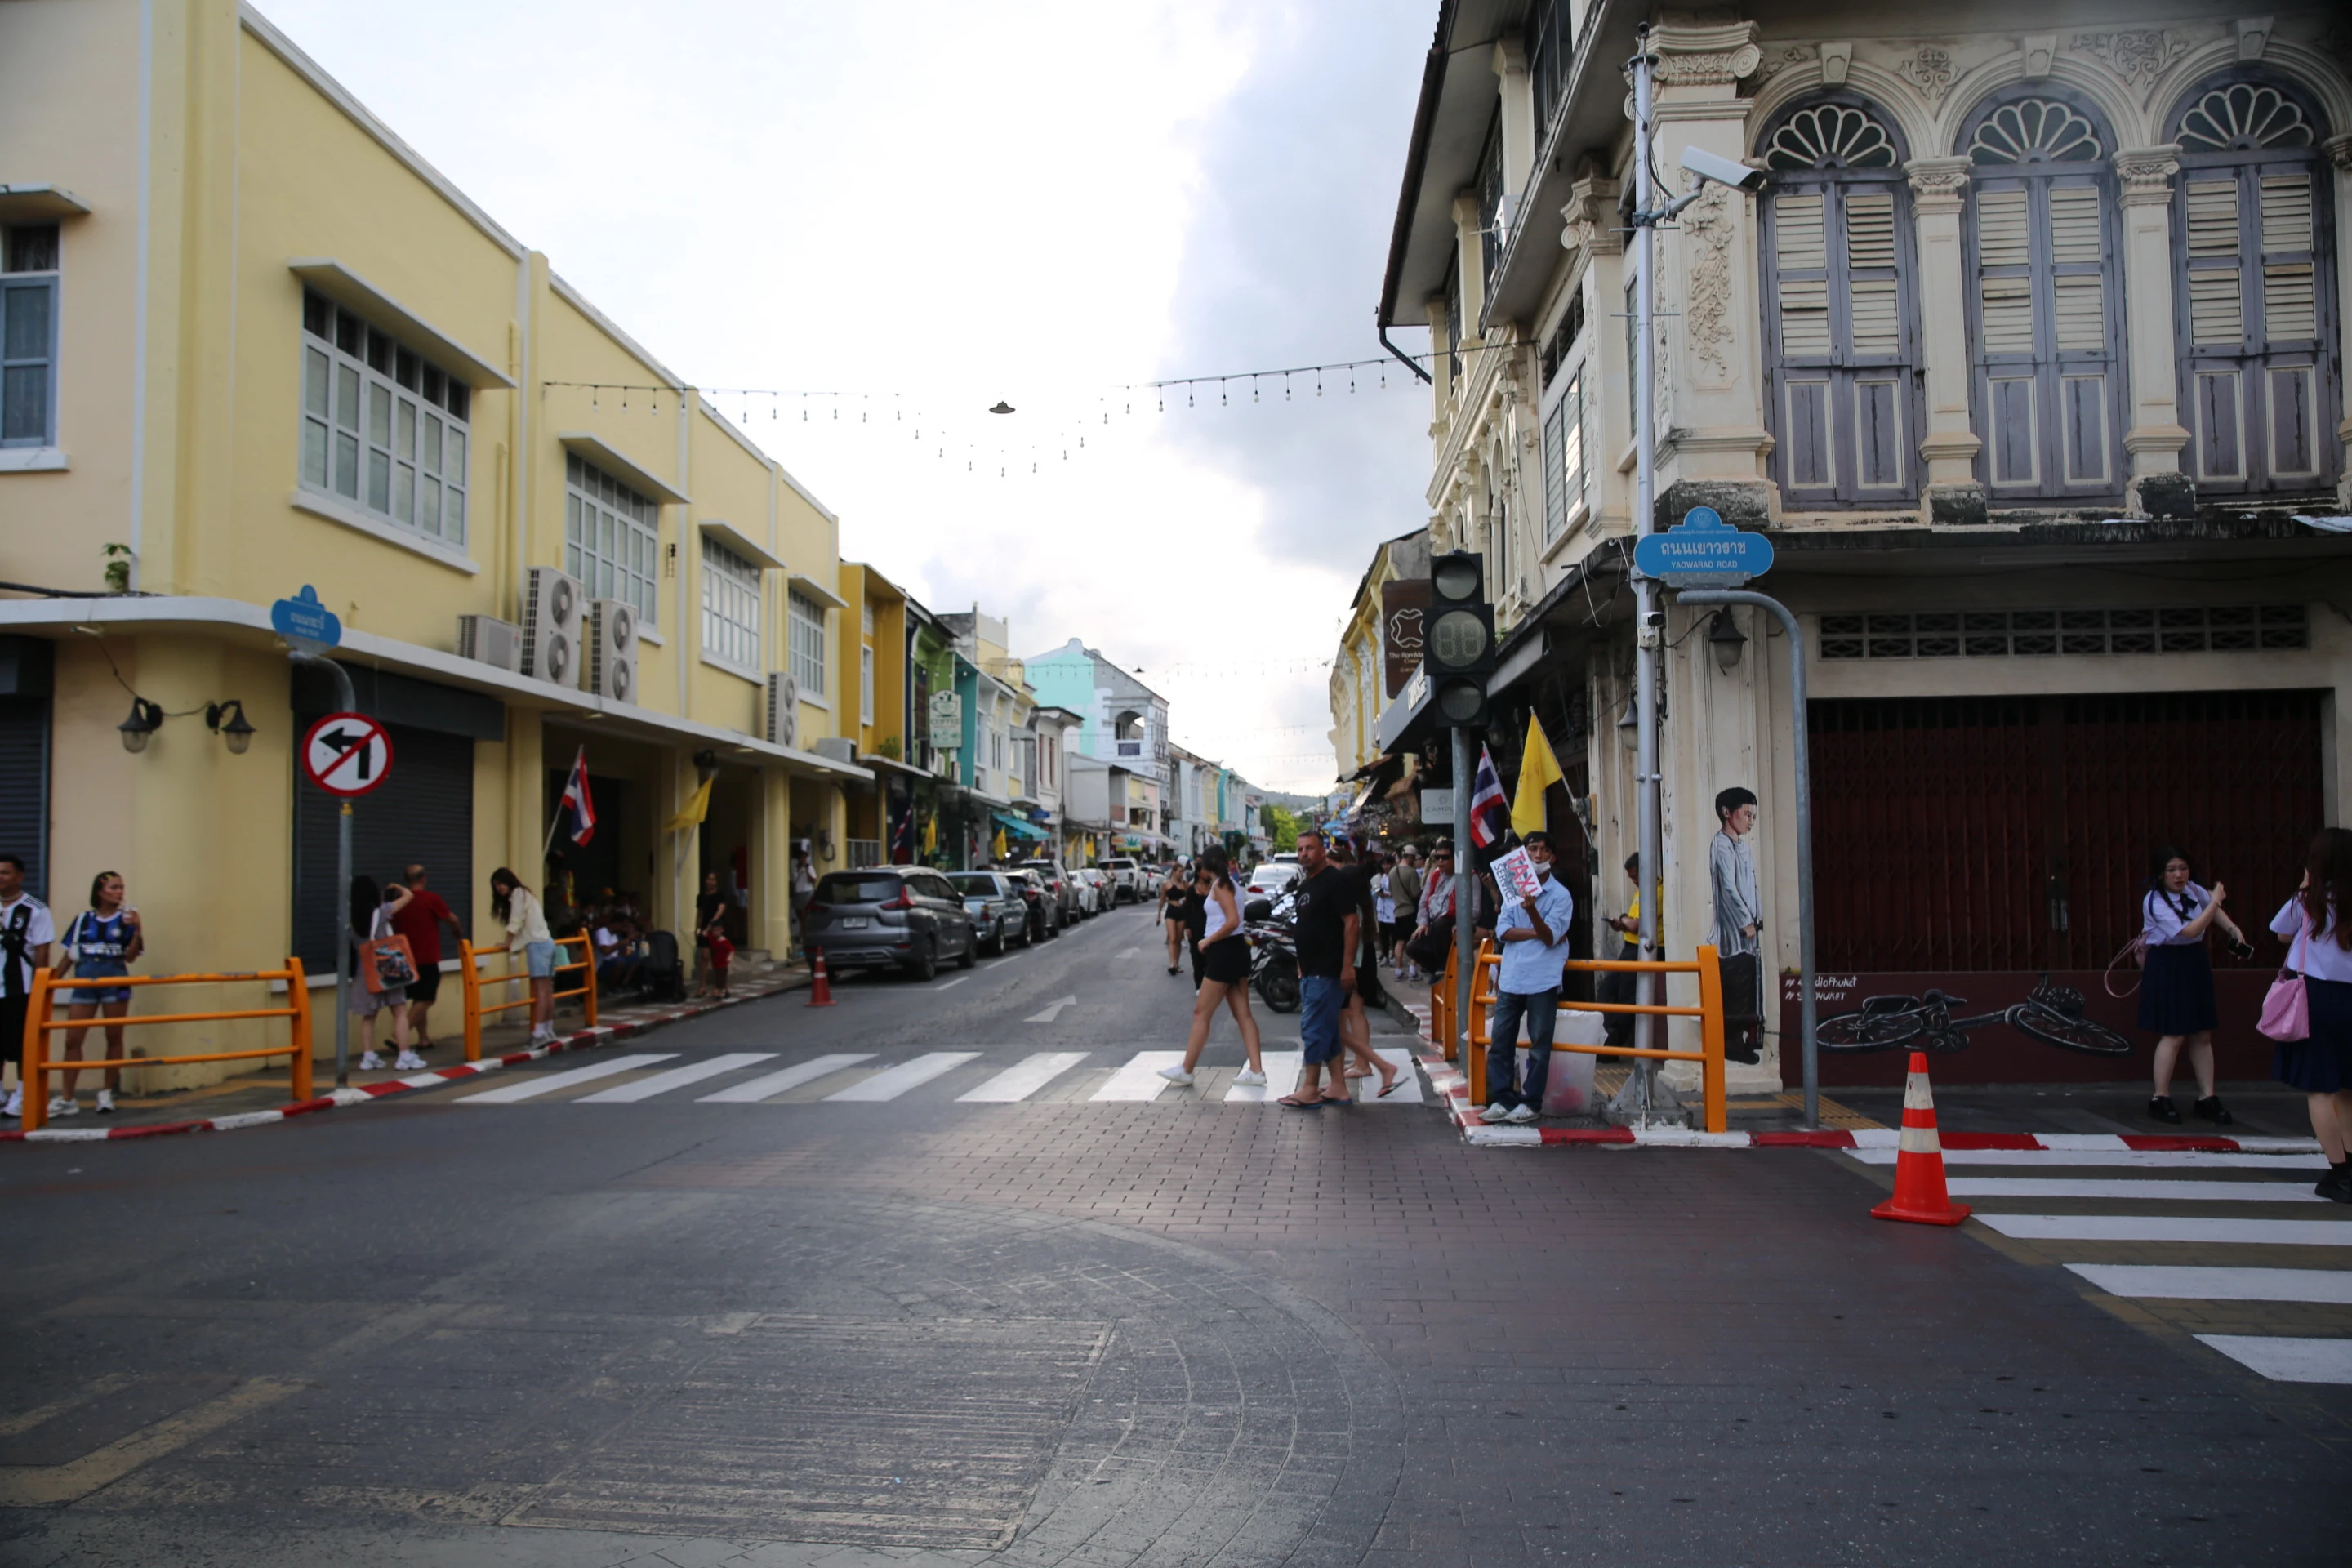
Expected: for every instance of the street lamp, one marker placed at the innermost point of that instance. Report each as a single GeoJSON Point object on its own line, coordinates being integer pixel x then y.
{"type": "Point", "coordinates": [1724, 636]}
{"type": "Point", "coordinates": [144, 720]}
{"type": "Point", "coordinates": [228, 720]}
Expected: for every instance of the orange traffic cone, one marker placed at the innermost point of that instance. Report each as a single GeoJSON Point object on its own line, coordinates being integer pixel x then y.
{"type": "Point", "coordinates": [1920, 1193]}
{"type": "Point", "coordinates": [821, 996]}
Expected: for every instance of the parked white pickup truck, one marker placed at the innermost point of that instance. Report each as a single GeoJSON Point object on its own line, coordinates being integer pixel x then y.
{"type": "Point", "coordinates": [1126, 878]}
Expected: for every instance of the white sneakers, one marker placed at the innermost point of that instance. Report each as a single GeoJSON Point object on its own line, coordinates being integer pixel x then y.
{"type": "Point", "coordinates": [61, 1106]}
{"type": "Point", "coordinates": [1497, 1111]}
{"type": "Point", "coordinates": [106, 1102]}
{"type": "Point", "coordinates": [408, 1061]}
{"type": "Point", "coordinates": [1521, 1113]}
{"type": "Point", "coordinates": [1255, 1079]}
{"type": "Point", "coordinates": [1176, 1076]}
{"type": "Point", "coordinates": [370, 1062]}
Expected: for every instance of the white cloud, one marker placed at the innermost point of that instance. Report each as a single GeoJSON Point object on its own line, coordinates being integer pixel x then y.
{"type": "Point", "coordinates": [940, 204]}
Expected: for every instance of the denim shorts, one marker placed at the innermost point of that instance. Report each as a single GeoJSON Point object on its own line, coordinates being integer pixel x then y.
{"type": "Point", "coordinates": [1320, 998]}
{"type": "Point", "coordinates": [541, 956]}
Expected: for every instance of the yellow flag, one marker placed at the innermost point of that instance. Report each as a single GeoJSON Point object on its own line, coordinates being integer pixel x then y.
{"type": "Point", "coordinates": [1000, 845]}
{"type": "Point", "coordinates": [930, 834]}
{"type": "Point", "coordinates": [1537, 768]}
{"type": "Point", "coordinates": [697, 805]}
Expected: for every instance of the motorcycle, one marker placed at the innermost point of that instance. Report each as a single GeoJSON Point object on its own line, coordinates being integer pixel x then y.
{"type": "Point", "coordinates": [1274, 953]}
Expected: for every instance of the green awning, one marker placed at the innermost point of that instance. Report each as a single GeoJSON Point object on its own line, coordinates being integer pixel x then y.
{"type": "Point", "coordinates": [1021, 827]}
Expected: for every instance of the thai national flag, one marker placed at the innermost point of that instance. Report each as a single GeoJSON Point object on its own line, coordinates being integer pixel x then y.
{"type": "Point", "coordinates": [1490, 814]}
{"type": "Point", "coordinates": [576, 804]}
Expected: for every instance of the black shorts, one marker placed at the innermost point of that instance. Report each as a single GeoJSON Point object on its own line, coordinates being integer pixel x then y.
{"type": "Point", "coordinates": [1226, 961]}
{"type": "Point", "coordinates": [427, 986]}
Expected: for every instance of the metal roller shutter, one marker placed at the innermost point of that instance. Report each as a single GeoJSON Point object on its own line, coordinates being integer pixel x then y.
{"type": "Point", "coordinates": [423, 814]}
{"type": "Point", "coordinates": [25, 787]}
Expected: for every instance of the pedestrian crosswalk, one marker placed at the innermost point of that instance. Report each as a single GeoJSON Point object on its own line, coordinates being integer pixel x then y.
{"type": "Point", "coordinates": [2171, 1231]}
{"type": "Point", "coordinates": [969, 1076]}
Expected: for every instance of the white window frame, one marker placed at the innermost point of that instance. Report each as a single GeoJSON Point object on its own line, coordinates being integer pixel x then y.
{"type": "Point", "coordinates": [612, 539]}
{"type": "Point", "coordinates": [866, 683]}
{"type": "Point", "coordinates": [19, 291]}
{"type": "Point", "coordinates": [383, 430]}
{"type": "Point", "coordinates": [732, 600]}
{"type": "Point", "coordinates": [804, 630]}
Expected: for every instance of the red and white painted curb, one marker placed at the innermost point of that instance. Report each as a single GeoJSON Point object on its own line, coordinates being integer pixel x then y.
{"type": "Point", "coordinates": [1452, 1089]}
{"type": "Point", "coordinates": [369, 1094]}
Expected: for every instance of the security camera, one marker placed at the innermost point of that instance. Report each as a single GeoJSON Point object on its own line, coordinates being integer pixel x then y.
{"type": "Point", "coordinates": [1722, 171]}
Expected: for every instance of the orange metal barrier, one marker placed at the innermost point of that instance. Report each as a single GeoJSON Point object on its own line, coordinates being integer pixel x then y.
{"type": "Point", "coordinates": [1441, 1007]}
{"type": "Point", "coordinates": [1709, 1012]}
{"type": "Point", "coordinates": [40, 1020]}
{"type": "Point", "coordinates": [476, 1009]}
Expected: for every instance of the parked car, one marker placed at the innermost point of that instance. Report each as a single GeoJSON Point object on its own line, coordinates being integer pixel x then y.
{"type": "Point", "coordinates": [1102, 893]}
{"type": "Point", "coordinates": [1059, 883]}
{"type": "Point", "coordinates": [1272, 879]}
{"type": "Point", "coordinates": [907, 917]}
{"type": "Point", "coordinates": [1045, 911]}
{"type": "Point", "coordinates": [1127, 878]}
{"type": "Point", "coordinates": [999, 913]}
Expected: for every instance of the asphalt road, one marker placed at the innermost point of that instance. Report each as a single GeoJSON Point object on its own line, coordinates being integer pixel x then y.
{"type": "Point", "coordinates": [745, 1304]}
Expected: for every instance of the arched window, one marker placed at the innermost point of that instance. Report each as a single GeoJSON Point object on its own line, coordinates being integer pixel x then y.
{"type": "Point", "coordinates": [2044, 300]}
{"type": "Point", "coordinates": [2253, 284]}
{"type": "Point", "coordinates": [1840, 322]}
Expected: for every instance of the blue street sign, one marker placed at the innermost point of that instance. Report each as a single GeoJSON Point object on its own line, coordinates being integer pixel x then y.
{"type": "Point", "coordinates": [1704, 552]}
{"type": "Point", "coordinates": [303, 620]}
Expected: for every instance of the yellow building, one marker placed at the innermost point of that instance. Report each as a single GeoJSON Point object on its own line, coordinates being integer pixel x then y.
{"type": "Point", "coordinates": [277, 348]}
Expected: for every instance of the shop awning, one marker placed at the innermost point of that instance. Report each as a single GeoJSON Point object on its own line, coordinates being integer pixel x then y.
{"type": "Point", "coordinates": [1020, 827]}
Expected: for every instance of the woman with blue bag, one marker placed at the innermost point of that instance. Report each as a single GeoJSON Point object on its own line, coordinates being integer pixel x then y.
{"type": "Point", "coordinates": [2309, 1009]}
{"type": "Point", "coordinates": [100, 945]}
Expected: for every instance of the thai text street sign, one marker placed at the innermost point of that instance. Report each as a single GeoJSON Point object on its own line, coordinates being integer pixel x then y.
{"type": "Point", "coordinates": [1703, 551]}
{"type": "Point", "coordinates": [306, 623]}
{"type": "Point", "coordinates": [347, 754]}
{"type": "Point", "coordinates": [1404, 608]}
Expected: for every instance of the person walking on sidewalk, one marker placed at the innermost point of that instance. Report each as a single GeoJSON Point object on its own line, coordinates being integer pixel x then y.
{"type": "Point", "coordinates": [518, 910]}
{"type": "Point", "coordinates": [1739, 923]}
{"type": "Point", "coordinates": [373, 911]}
{"type": "Point", "coordinates": [1534, 937]}
{"type": "Point", "coordinates": [26, 935]}
{"type": "Point", "coordinates": [420, 920]}
{"type": "Point", "coordinates": [100, 944]}
{"type": "Point", "coordinates": [1224, 964]}
{"type": "Point", "coordinates": [1355, 1019]}
{"type": "Point", "coordinates": [1327, 931]}
{"type": "Point", "coordinates": [1404, 890]}
{"type": "Point", "coordinates": [1173, 912]}
{"type": "Point", "coordinates": [1619, 985]}
{"type": "Point", "coordinates": [2319, 949]}
{"type": "Point", "coordinates": [2176, 992]}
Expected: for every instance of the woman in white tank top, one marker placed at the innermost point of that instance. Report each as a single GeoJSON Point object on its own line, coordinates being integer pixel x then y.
{"type": "Point", "coordinates": [1223, 969]}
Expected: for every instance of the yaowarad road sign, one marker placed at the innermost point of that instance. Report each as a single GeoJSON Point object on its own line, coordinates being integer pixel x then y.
{"type": "Point", "coordinates": [306, 623]}
{"type": "Point", "coordinates": [1703, 551]}
{"type": "Point", "coordinates": [347, 753]}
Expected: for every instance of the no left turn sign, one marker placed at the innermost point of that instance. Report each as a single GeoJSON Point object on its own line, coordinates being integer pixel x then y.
{"type": "Point", "coordinates": [347, 753]}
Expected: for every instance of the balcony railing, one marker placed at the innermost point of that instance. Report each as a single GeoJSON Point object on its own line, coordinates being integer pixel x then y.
{"type": "Point", "coordinates": [864, 852]}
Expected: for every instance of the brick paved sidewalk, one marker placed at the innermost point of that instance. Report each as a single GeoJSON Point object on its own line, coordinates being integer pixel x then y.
{"type": "Point", "coordinates": [252, 1098]}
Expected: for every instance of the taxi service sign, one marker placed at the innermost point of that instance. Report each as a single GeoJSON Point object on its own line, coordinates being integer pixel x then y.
{"type": "Point", "coordinates": [347, 754]}
{"type": "Point", "coordinates": [1703, 551]}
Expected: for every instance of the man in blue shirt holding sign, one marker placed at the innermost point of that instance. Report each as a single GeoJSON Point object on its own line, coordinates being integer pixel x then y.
{"type": "Point", "coordinates": [1534, 935]}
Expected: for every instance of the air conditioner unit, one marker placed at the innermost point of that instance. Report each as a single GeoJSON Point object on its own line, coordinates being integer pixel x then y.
{"type": "Point", "coordinates": [613, 650]}
{"type": "Point", "coordinates": [840, 748]}
{"type": "Point", "coordinates": [490, 640]}
{"type": "Point", "coordinates": [551, 628]}
{"type": "Point", "coordinates": [784, 709]}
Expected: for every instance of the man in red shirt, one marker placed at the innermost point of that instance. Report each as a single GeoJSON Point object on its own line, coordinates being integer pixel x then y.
{"type": "Point", "coordinates": [420, 921]}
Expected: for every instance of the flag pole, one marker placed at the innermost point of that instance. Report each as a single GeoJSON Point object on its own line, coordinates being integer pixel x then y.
{"type": "Point", "coordinates": [555, 819]}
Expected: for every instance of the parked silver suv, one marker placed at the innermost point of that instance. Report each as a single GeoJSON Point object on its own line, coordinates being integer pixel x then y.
{"type": "Point", "coordinates": [1060, 886]}
{"type": "Point", "coordinates": [997, 908]}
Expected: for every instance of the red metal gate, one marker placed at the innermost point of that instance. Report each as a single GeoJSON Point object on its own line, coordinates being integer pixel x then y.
{"type": "Point", "coordinates": [2012, 833]}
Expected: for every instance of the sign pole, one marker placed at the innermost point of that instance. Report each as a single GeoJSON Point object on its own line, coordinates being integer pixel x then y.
{"type": "Point", "coordinates": [348, 702]}
{"type": "Point", "coordinates": [1648, 629]}
{"type": "Point", "coordinates": [1465, 934]}
{"type": "Point", "coordinates": [1806, 1002]}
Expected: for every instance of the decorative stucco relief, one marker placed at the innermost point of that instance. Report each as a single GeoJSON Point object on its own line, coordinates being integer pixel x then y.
{"type": "Point", "coordinates": [1709, 315]}
{"type": "Point", "coordinates": [2139, 58]}
{"type": "Point", "coordinates": [1930, 69]}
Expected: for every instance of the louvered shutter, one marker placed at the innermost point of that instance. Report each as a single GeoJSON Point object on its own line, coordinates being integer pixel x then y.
{"type": "Point", "coordinates": [25, 787]}
{"type": "Point", "coordinates": [2253, 248]}
{"type": "Point", "coordinates": [1839, 319]}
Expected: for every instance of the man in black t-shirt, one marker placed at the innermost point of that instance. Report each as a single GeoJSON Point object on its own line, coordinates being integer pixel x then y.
{"type": "Point", "coordinates": [1326, 927]}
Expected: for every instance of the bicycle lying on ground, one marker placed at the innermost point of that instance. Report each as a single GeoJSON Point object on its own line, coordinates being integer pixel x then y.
{"type": "Point", "coordinates": [2054, 1015]}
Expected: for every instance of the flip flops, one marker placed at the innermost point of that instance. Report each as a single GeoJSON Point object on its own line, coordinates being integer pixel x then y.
{"type": "Point", "coordinates": [1295, 1103]}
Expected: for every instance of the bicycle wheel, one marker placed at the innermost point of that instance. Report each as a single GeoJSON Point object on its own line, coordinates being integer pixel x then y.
{"type": "Point", "coordinates": [1875, 1028]}
{"type": "Point", "coordinates": [2053, 1027]}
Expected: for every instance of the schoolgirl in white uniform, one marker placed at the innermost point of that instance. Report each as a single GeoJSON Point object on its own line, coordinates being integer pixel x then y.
{"type": "Point", "coordinates": [2175, 992]}
{"type": "Point", "coordinates": [2319, 948]}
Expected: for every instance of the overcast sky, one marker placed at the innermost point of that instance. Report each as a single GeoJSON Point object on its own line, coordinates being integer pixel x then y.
{"type": "Point", "coordinates": [931, 206]}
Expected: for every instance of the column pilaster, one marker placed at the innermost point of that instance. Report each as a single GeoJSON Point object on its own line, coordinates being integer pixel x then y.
{"type": "Point", "coordinates": [2156, 439]}
{"type": "Point", "coordinates": [2339, 156]}
{"type": "Point", "coordinates": [1948, 447]}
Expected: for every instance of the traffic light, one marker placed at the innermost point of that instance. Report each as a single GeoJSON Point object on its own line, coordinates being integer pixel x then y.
{"type": "Point", "coordinates": [1459, 646]}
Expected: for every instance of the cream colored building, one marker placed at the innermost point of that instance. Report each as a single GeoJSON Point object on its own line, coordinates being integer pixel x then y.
{"type": "Point", "coordinates": [2028, 360]}
{"type": "Point", "coordinates": [278, 349]}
